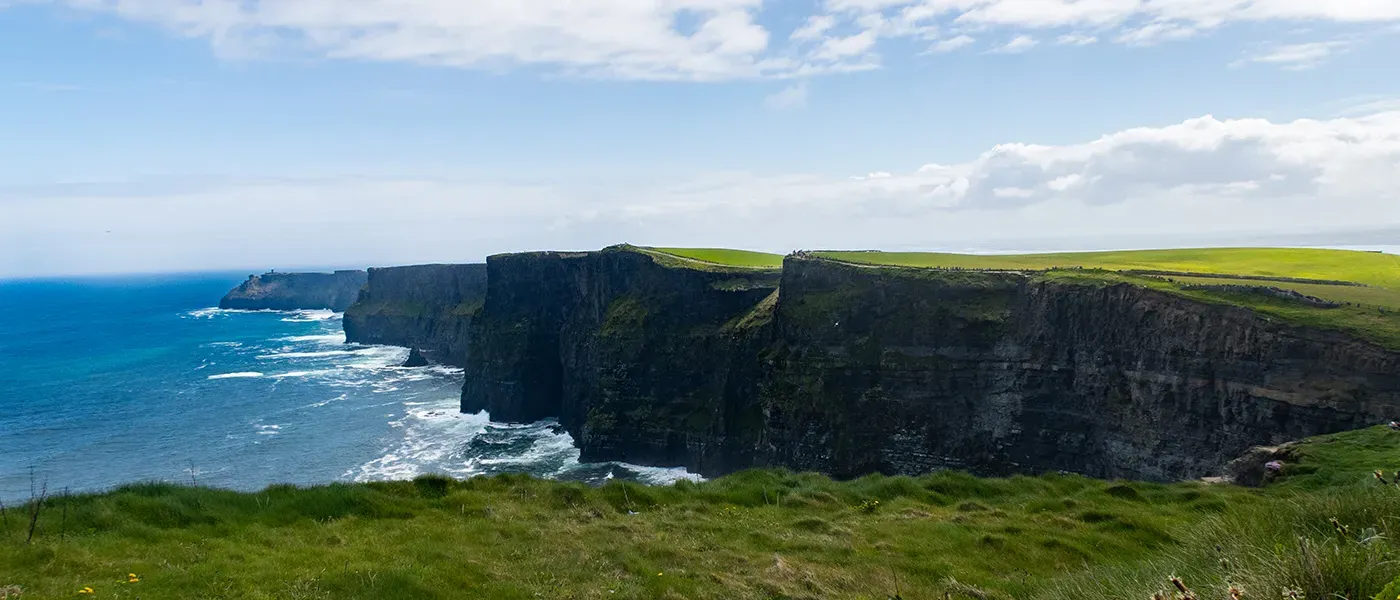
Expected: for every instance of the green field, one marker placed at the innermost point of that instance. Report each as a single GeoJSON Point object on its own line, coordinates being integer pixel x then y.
{"type": "Point", "coordinates": [757, 534]}
{"type": "Point", "coordinates": [1366, 283]}
{"type": "Point", "coordinates": [730, 258]}
{"type": "Point", "coordinates": [1369, 268]}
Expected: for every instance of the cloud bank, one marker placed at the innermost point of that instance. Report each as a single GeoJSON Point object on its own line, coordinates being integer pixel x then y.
{"type": "Point", "coordinates": [699, 40]}
{"type": "Point", "coordinates": [1226, 178]}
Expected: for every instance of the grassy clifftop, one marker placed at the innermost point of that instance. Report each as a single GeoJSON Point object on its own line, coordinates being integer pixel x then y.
{"type": "Point", "coordinates": [1354, 292]}
{"type": "Point", "coordinates": [757, 534]}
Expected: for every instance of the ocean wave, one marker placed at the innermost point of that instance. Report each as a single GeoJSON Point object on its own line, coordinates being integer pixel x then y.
{"type": "Point", "coordinates": [312, 316]}
{"type": "Point", "coordinates": [267, 429]}
{"type": "Point", "coordinates": [436, 438]}
{"type": "Point", "coordinates": [330, 338]}
{"type": "Point", "coordinates": [214, 311]}
{"type": "Point", "coordinates": [431, 436]}
{"type": "Point", "coordinates": [317, 354]}
{"type": "Point", "coordinates": [243, 375]}
{"type": "Point", "coordinates": [304, 374]}
{"type": "Point", "coordinates": [325, 402]}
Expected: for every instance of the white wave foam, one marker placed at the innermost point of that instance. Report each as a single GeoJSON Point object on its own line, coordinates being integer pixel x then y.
{"type": "Point", "coordinates": [243, 375]}
{"type": "Point", "coordinates": [330, 338]}
{"type": "Point", "coordinates": [431, 435]}
{"type": "Point", "coordinates": [325, 402]}
{"type": "Point", "coordinates": [311, 316]}
{"type": "Point", "coordinates": [214, 311]}
{"type": "Point", "coordinates": [224, 344]}
{"type": "Point", "coordinates": [319, 354]}
{"type": "Point", "coordinates": [661, 475]}
{"type": "Point", "coordinates": [443, 370]}
{"type": "Point", "coordinates": [268, 429]}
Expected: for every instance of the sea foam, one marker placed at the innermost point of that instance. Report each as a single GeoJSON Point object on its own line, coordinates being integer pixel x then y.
{"type": "Point", "coordinates": [243, 375]}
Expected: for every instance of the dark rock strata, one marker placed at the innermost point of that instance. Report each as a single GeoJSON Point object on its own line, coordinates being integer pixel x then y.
{"type": "Point", "coordinates": [852, 370]}
{"type": "Point", "coordinates": [425, 307]}
{"type": "Point", "coordinates": [296, 291]}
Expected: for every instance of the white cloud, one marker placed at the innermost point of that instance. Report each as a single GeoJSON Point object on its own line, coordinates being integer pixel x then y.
{"type": "Point", "coordinates": [1298, 56]}
{"type": "Point", "coordinates": [1201, 177]}
{"type": "Point", "coordinates": [1076, 39]}
{"type": "Point", "coordinates": [952, 44]}
{"type": "Point", "coordinates": [1017, 45]}
{"type": "Point", "coordinates": [814, 28]}
{"type": "Point", "coordinates": [789, 98]}
{"type": "Point", "coordinates": [699, 40]}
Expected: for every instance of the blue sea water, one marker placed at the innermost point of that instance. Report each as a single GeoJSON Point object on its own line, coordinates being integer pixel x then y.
{"type": "Point", "coordinates": [110, 381]}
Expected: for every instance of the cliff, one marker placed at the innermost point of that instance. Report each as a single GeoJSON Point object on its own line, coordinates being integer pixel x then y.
{"type": "Point", "coordinates": [425, 307]}
{"type": "Point", "coordinates": [853, 369]}
{"type": "Point", "coordinates": [296, 291]}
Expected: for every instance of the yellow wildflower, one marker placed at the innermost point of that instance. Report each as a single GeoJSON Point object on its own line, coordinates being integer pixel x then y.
{"type": "Point", "coordinates": [86, 590]}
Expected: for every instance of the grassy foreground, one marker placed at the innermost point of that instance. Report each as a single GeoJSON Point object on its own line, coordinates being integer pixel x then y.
{"type": "Point", "coordinates": [758, 534]}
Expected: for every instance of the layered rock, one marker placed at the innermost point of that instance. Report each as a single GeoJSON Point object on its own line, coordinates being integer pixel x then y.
{"type": "Point", "coordinates": [425, 307]}
{"type": "Point", "coordinates": [296, 291]}
{"type": "Point", "coordinates": [854, 369]}
{"type": "Point", "coordinates": [631, 356]}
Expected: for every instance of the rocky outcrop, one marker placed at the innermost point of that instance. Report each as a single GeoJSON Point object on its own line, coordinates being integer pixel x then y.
{"type": "Point", "coordinates": [852, 369]}
{"type": "Point", "coordinates": [296, 291]}
{"type": "Point", "coordinates": [427, 307]}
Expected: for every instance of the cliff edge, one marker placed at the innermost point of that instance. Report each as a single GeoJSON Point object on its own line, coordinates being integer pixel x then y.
{"type": "Point", "coordinates": [296, 291]}
{"type": "Point", "coordinates": [853, 369]}
{"type": "Point", "coordinates": [425, 307]}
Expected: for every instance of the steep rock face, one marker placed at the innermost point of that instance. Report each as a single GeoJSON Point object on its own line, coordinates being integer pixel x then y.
{"type": "Point", "coordinates": [852, 370]}
{"type": "Point", "coordinates": [426, 307]}
{"type": "Point", "coordinates": [296, 291]}
{"type": "Point", "coordinates": [629, 355]}
{"type": "Point", "coordinates": [904, 371]}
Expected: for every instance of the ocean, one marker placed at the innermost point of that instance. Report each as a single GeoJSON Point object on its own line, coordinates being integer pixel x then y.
{"type": "Point", "coordinates": [111, 381]}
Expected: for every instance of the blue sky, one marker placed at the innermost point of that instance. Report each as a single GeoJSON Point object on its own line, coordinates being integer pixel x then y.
{"type": "Point", "coordinates": [146, 135]}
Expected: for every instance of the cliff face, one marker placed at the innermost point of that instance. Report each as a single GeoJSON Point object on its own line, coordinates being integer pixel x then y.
{"type": "Point", "coordinates": [903, 371]}
{"type": "Point", "coordinates": [296, 291]}
{"type": "Point", "coordinates": [851, 370]}
{"type": "Point", "coordinates": [426, 307]}
{"type": "Point", "coordinates": [631, 356]}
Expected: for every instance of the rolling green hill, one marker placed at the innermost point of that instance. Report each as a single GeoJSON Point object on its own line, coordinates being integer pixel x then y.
{"type": "Point", "coordinates": [756, 534]}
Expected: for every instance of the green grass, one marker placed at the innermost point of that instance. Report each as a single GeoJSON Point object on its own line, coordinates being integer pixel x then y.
{"type": "Point", "coordinates": [729, 258]}
{"type": "Point", "coordinates": [756, 534]}
{"type": "Point", "coordinates": [1368, 296]}
{"type": "Point", "coordinates": [1369, 268]}
{"type": "Point", "coordinates": [1371, 311]}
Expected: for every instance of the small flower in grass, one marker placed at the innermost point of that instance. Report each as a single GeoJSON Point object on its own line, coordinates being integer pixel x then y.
{"type": "Point", "coordinates": [1395, 425]}
{"type": "Point", "coordinates": [86, 590]}
{"type": "Point", "coordinates": [1380, 476]}
{"type": "Point", "coordinates": [1273, 466]}
{"type": "Point", "coordinates": [1292, 594]}
{"type": "Point", "coordinates": [1342, 530]}
{"type": "Point", "coordinates": [132, 578]}
{"type": "Point", "coordinates": [1181, 586]}
{"type": "Point", "coordinates": [1235, 593]}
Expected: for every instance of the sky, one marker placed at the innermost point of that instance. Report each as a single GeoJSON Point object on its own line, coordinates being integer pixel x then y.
{"type": "Point", "coordinates": [186, 135]}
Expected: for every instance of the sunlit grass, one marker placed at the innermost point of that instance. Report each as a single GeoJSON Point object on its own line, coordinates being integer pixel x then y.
{"type": "Point", "coordinates": [756, 534]}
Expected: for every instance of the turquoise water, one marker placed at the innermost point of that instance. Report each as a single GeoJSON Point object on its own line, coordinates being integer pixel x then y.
{"type": "Point", "coordinates": [109, 381]}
